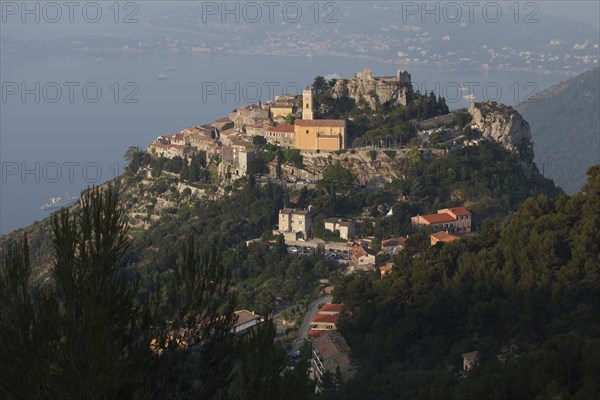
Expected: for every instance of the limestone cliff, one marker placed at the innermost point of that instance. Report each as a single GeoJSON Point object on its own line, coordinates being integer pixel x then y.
{"type": "Point", "coordinates": [368, 168]}
{"type": "Point", "coordinates": [502, 124]}
{"type": "Point", "coordinates": [376, 91]}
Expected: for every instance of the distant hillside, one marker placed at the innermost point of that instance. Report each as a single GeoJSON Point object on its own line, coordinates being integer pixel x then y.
{"type": "Point", "coordinates": [565, 126]}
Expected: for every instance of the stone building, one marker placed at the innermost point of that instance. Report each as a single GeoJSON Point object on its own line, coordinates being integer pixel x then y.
{"type": "Point", "coordinates": [280, 135]}
{"type": "Point", "coordinates": [345, 228]}
{"type": "Point", "coordinates": [297, 222]}
{"type": "Point", "coordinates": [282, 107]}
{"type": "Point", "coordinates": [235, 159]}
{"type": "Point", "coordinates": [250, 114]}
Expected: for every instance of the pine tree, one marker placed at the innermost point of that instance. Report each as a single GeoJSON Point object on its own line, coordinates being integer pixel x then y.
{"type": "Point", "coordinates": [99, 322]}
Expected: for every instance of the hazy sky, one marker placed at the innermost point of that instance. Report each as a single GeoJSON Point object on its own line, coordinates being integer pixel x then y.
{"type": "Point", "coordinates": [584, 11]}
{"type": "Point", "coordinates": [587, 12]}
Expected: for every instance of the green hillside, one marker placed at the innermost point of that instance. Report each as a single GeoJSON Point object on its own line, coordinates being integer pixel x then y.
{"type": "Point", "coordinates": [565, 126]}
{"type": "Point", "coordinates": [523, 294]}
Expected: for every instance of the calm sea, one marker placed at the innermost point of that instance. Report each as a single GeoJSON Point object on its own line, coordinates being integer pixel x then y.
{"type": "Point", "coordinates": [66, 121]}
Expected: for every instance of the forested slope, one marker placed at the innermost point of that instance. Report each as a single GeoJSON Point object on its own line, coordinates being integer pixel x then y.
{"type": "Point", "coordinates": [525, 294]}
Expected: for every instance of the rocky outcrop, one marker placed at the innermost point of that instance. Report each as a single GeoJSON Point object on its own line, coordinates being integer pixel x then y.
{"type": "Point", "coordinates": [502, 124]}
{"type": "Point", "coordinates": [368, 168]}
{"type": "Point", "coordinates": [376, 91]}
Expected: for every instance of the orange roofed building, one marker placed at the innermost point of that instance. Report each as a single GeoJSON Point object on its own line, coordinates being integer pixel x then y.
{"type": "Point", "coordinates": [326, 319]}
{"type": "Point", "coordinates": [453, 220]}
{"type": "Point", "coordinates": [442, 237]}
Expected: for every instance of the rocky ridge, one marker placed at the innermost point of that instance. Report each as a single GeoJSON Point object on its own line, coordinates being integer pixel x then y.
{"type": "Point", "coordinates": [502, 124]}
{"type": "Point", "coordinates": [376, 91]}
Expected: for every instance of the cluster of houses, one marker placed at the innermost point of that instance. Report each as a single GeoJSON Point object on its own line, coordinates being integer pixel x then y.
{"type": "Point", "coordinates": [445, 226]}
{"type": "Point", "coordinates": [232, 137]}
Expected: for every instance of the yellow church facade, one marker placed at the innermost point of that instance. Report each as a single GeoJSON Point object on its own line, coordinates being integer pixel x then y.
{"type": "Point", "coordinates": [318, 134]}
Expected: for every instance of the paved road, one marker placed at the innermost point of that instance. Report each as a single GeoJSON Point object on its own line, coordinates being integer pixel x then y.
{"type": "Point", "coordinates": [312, 310]}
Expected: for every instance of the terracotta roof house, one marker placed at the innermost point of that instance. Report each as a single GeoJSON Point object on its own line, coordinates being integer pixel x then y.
{"type": "Point", "coordinates": [386, 269]}
{"type": "Point", "coordinates": [324, 322]}
{"type": "Point", "coordinates": [331, 309]}
{"type": "Point", "coordinates": [443, 237]}
{"type": "Point", "coordinates": [246, 320]}
{"type": "Point", "coordinates": [393, 245]}
{"type": "Point", "coordinates": [454, 220]}
{"type": "Point", "coordinates": [362, 256]}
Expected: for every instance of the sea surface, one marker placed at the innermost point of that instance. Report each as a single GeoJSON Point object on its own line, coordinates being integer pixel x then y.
{"type": "Point", "coordinates": [66, 121]}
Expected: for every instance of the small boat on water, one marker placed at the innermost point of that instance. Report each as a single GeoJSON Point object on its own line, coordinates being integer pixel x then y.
{"type": "Point", "coordinates": [99, 60]}
{"type": "Point", "coordinates": [169, 68]}
{"type": "Point", "coordinates": [162, 77]}
{"type": "Point", "coordinates": [59, 202]}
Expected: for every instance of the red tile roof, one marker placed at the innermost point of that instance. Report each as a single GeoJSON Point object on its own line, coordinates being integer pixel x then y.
{"type": "Point", "coordinates": [444, 236]}
{"type": "Point", "coordinates": [325, 318]}
{"type": "Point", "coordinates": [282, 128]}
{"type": "Point", "coordinates": [332, 308]}
{"type": "Point", "coordinates": [438, 218]}
{"type": "Point", "coordinates": [321, 122]}
{"type": "Point", "coordinates": [358, 251]}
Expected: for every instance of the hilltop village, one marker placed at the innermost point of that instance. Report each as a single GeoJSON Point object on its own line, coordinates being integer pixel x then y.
{"type": "Point", "coordinates": [297, 143]}
{"type": "Point", "coordinates": [233, 137]}
{"type": "Point", "coordinates": [328, 208]}
{"type": "Point", "coordinates": [289, 123]}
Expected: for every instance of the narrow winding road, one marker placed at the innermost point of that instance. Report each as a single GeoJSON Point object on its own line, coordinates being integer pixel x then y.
{"type": "Point", "coordinates": [313, 309]}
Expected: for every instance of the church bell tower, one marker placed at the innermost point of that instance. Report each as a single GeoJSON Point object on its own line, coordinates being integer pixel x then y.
{"type": "Point", "coordinates": [307, 104]}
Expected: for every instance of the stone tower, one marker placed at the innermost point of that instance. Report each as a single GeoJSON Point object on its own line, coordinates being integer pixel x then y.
{"type": "Point", "coordinates": [307, 104]}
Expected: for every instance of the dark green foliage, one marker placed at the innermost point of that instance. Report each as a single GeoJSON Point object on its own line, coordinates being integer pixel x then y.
{"type": "Point", "coordinates": [527, 291]}
{"type": "Point", "coordinates": [336, 174]}
{"type": "Point", "coordinates": [227, 126]}
{"type": "Point", "coordinates": [136, 159]}
{"type": "Point", "coordinates": [259, 140]}
{"type": "Point", "coordinates": [98, 317]}
{"type": "Point", "coordinates": [293, 156]}
{"type": "Point", "coordinates": [94, 333]}
{"type": "Point", "coordinates": [462, 118]}
{"type": "Point", "coordinates": [483, 172]}
{"type": "Point", "coordinates": [21, 329]}
{"type": "Point", "coordinates": [258, 372]}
